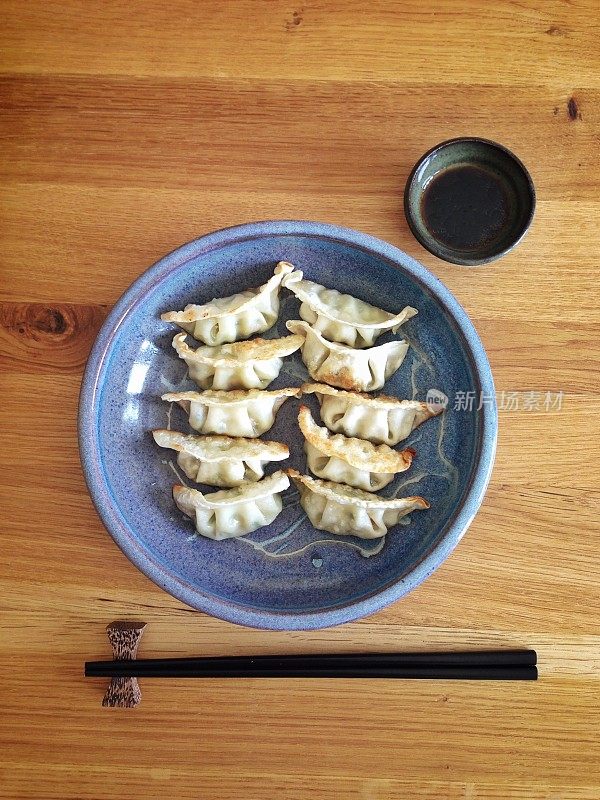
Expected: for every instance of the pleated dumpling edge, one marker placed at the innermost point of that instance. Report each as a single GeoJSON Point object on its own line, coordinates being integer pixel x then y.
{"type": "Point", "coordinates": [345, 367]}
{"type": "Point", "coordinates": [239, 316]}
{"type": "Point", "coordinates": [341, 317]}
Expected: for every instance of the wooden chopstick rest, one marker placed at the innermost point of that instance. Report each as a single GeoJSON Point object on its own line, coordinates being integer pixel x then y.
{"type": "Point", "coordinates": [124, 638]}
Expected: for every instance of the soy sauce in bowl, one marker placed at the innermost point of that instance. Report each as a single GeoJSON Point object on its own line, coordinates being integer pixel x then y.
{"type": "Point", "coordinates": [466, 207]}
{"type": "Point", "coordinates": [469, 201]}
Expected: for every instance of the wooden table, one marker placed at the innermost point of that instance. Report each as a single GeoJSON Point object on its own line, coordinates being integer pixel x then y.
{"type": "Point", "coordinates": [130, 128]}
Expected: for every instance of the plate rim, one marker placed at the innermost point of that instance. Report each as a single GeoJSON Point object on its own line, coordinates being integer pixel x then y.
{"type": "Point", "coordinates": [124, 537]}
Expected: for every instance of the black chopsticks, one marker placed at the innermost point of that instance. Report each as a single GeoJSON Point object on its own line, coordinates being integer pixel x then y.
{"type": "Point", "coordinates": [501, 665]}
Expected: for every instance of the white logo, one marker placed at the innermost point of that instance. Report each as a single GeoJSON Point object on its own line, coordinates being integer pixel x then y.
{"type": "Point", "coordinates": [436, 401]}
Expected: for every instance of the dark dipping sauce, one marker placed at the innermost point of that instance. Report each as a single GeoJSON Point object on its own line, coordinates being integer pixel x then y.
{"type": "Point", "coordinates": [466, 207]}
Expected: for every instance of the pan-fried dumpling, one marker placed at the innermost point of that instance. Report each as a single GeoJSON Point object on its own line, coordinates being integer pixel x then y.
{"type": "Point", "coordinates": [221, 460]}
{"type": "Point", "coordinates": [343, 366]}
{"type": "Point", "coordinates": [227, 319]}
{"type": "Point", "coordinates": [241, 413]}
{"type": "Point", "coordinates": [233, 512]}
{"type": "Point", "coordinates": [341, 317]}
{"type": "Point", "coordinates": [240, 365]}
{"type": "Point", "coordinates": [352, 461]}
{"type": "Point", "coordinates": [382, 420]}
{"type": "Point", "coordinates": [345, 511]}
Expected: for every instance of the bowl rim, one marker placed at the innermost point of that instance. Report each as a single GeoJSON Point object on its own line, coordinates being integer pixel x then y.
{"type": "Point", "coordinates": [465, 261]}
{"type": "Point", "coordinates": [116, 525]}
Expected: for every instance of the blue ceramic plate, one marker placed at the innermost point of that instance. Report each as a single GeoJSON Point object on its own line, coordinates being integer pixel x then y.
{"type": "Point", "coordinates": [286, 576]}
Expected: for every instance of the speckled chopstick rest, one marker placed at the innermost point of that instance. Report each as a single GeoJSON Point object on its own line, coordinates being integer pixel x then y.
{"type": "Point", "coordinates": [124, 638]}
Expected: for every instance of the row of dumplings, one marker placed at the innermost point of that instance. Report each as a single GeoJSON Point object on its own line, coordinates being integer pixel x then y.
{"type": "Point", "coordinates": [335, 334]}
{"type": "Point", "coordinates": [236, 461]}
{"type": "Point", "coordinates": [352, 456]}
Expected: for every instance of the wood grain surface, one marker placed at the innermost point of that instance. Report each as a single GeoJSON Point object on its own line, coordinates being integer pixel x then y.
{"type": "Point", "coordinates": [130, 128]}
